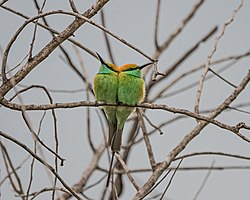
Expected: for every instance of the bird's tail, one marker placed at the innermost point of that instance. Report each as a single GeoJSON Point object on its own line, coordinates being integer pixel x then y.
{"type": "Point", "coordinates": [110, 168]}
{"type": "Point", "coordinates": [115, 140]}
{"type": "Point", "coordinates": [112, 130]}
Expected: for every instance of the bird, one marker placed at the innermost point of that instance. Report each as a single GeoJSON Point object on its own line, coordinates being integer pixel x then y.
{"type": "Point", "coordinates": [118, 85]}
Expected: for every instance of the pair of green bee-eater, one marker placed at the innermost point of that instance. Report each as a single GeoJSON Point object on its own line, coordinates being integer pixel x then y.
{"type": "Point", "coordinates": [113, 84]}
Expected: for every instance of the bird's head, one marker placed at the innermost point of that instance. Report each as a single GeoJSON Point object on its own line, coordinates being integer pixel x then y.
{"type": "Point", "coordinates": [132, 69]}
{"type": "Point", "coordinates": [108, 66]}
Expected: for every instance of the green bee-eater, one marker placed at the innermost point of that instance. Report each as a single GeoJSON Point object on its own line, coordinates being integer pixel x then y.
{"type": "Point", "coordinates": [122, 84]}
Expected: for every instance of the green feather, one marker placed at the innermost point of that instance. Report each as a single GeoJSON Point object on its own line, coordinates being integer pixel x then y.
{"type": "Point", "coordinates": [106, 87]}
{"type": "Point", "coordinates": [130, 88]}
{"type": "Point", "coordinates": [131, 92]}
{"type": "Point", "coordinates": [112, 86]}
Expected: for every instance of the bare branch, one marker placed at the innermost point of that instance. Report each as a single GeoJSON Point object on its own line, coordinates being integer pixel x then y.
{"type": "Point", "coordinates": [108, 45]}
{"type": "Point", "coordinates": [27, 122]}
{"type": "Point", "coordinates": [126, 171]}
{"type": "Point", "coordinates": [204, 181]}
{"type": "Point", "coordinates": [212, 153]}
{"type": "Point", "coordinates": [15, 170]}
{"type": "Point", "coordinates": [88, 90]}
{"type": "Point", "coordinates": [142, 105]}
{"type": "Point", "coordinates": [233, 60]}
{"type": "Point", "coordinates": [3, 1]}
{"type": "Point", "coordinates": [49, 48]}
{"type": "Point", "coordinates": [151, 124]}
{"type": "Point", "coordinates": [73, 6]}
{"type": "Point", "coordinates": [239, 110]}
{"type": "Point", "coordinates": [146, 139]}
{"type": "Point", "coordinates": [189, 137]}
{"type": "Point", "coordinates": [209, 76]}
{"type": "Point", "coordinates": [168, 185]}
{"type": "Point", "coordinates": [157, 24]}
{"type": "Point", "coordinates": [13, 82]}
{"type": "Point", "coordinates": [33, 159]}
{"type": "Point", "coordinates": [23, 146]}
{"type": "Point", "coordinates": [182, 58]}
{"type": "Point", "coordinates": [92, 53]}
{"type": "Point", "coordinates": [181, 26]}
{"type": "Point", "coordinates": [189, 168]}
{"type": "Point", "coordinates": [208, 63]}
{"type": "Point", "coordinates": [216, 74]}
{"type": "Point", "coordinates": [14, 180]}
{"type": "Point", "coordinates": [78, 187]}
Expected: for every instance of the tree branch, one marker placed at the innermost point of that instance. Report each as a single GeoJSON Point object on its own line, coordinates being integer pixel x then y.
{"type": "Point", "coordinates": [8, 84]}
{"type": "Point", "coordinates": [188, 138]}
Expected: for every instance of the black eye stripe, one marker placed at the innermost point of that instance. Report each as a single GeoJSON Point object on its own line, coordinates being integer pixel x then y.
{"type": "Point", "coordinates": [110, 68]}
{"type": "Point", "coordinates": [131, 69]}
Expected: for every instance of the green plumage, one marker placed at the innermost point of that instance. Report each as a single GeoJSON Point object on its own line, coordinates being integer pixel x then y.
{"type": "Point", "coordinates": [114, 84]}
{"type": "Point", "coordinates": [131, 92]}
{"type": "Point", "coordinates": [106, 88]}
{"type": "Point", "coordinates": [106, 85]}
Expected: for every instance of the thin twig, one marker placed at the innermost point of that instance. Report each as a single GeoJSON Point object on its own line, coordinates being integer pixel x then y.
{"type": "Point", "coordinates": [110, 169]}
{"type": "Point", "coordinates": [239, 110]}
{"type": "Point", "coordinates": [151, 124]}
{"type": "Point", "coordinates": [15, 170]}
{"type": "Point", "coordinates": [73, 6]}
{"type": "Point", "coordinates": [17, 65]}
{"type": "Point", "coordinates": [88, 86]}
{"type": "Point", "coordinates": [216, 74]}
{"type": "Point", "coordinates": [158, 183]}
{"type": "Point", "coordinates": [189, 168]}
{"type": "Point", "coordinates": [209, 76]}
{"type": "Point", "coordinates": [92, 53]}
{"type": "Point", "coordinates": [49, 48]}
{"type": "Point", "coordinates": [65, 53]}
{"type": "Point", "coordinates": [157, 24]}
{"type": "Point", "coordinates": [94, 184]}
{"type": "Point", "coordinates": [146, 139]}
{"type": "Point", "coordinates": [212, 153]}
{"type": "Point", "coordinates": [209, 58]}
{"type": "Point", "coordinates": [233, 59]}
{"type": "Point", "coordinates": [33, 39]}
{"type": "Point", "coordinates": [27, 120]}
{"type": "Point", "coordinates": [181, 26]}
{"type": "Point", "coordinates": [189, 137]}
{"type": "Point", "coordinates": [15, 180]}
{"type": "Point", "coordinates": [204, 181]}
{"type": "Point", "coordinates": [69, 91]}
{"type": "Point", "coordinates": [78, 187]}
{"type": "Point", "coordinates": [50, 98]}
{"type": "Point", "coordinates": [33, 195]}
{"type": "Point", "coordinates": [108, 45]}
{"type": "Point", "coordinates": [3, 1]}
{"type": "Point", "coordinates": [33, 159]}
{"type": "Point", "coordinates": [118, 157]}
{"type": "Point", "coordinates": [182, 58]}
{"type": "Point", "coordinates": [142, 105]}
{"type": "Point", "coordinates": [170, 181]}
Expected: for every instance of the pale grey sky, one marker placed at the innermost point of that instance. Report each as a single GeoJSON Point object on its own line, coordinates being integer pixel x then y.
{"type": "Point", "coordinates": [133, 21]}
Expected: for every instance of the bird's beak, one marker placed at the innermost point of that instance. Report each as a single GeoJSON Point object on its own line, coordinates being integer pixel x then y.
{"type": "Point", "coordinates": [141, 67]}
{"type": "Point", "coordinates": [100, 58]}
